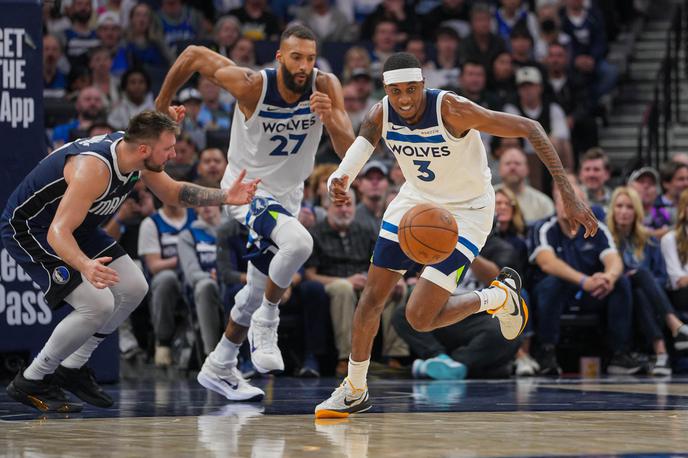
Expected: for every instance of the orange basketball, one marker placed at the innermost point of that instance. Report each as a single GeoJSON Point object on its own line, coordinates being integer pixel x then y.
{"type": "Point", "coordinates": [428, 234]}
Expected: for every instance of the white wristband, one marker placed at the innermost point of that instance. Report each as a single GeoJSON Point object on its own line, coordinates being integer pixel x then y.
{"type": "Point", "coordinates": [355, 158]}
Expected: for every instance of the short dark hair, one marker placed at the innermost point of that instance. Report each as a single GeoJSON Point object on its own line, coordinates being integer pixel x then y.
{"type": "Point", "coordinates": [134, 71]}
{"type": "Point", "coordinates": [149, 125]}
{"type": "Point", "coordinates": [298, 31]}
{"type": "Point", "coordinates": [480, 7]}
{"type": "Point", "coordinates": [401, 60]}
{"type": "Point", "coordinates": [669, 169]}
{"type": "Point", "coordinates": [520, 30]}
{"type": "Point", "coordinates": [447, 31]}
{"type": "Point", "coordinates": [595, 153]}
{"type": "Point", "coordinates": [211, 148]}
{"type": "Point", "coordinates": [473, 62]}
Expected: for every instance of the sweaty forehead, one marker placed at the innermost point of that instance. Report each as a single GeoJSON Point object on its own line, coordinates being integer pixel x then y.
{"type": "Point", "coordinates": [298, 45]}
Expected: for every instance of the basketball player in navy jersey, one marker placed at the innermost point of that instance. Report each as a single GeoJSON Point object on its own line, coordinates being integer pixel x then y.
{"type": "Point", "coordinates": [276, 129]}
{"type": "Point", "coordinates": [435, 137]}
{"type": "Point", "coordinates": [51, 227]}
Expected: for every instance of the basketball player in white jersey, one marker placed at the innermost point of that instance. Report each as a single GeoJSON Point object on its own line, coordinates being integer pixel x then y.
{"type": "Point", "coordinates": [435, 137]}
{"type": "Point", "coordinates": [276, 129]}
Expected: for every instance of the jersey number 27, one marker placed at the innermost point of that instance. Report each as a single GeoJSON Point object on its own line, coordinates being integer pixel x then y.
{"type": "Point", "coordinates": [280, 149]}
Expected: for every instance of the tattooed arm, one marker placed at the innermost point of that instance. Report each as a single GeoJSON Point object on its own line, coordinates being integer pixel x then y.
{"type": "Point", "coordinates": [186, 194]}
{"type": "Point", "coordinates": [460, 115]}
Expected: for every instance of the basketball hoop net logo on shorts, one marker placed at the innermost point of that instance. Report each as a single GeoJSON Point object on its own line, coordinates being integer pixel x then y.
{"type": "Point", "coordinates": [61, 275]}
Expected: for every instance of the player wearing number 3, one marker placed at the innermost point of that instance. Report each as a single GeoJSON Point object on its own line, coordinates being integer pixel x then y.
{"type": "Point", "coordinates": [276, 130]}
{"type": "Point", "coordinates": [435, 137]}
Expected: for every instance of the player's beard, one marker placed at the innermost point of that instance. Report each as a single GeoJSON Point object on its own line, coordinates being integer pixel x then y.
{"type": "Point", "coordinates": [150, 166]}
{"type": "Point", "coordinates": [291, 84]}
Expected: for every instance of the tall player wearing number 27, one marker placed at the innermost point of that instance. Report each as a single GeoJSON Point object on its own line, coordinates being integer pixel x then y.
{"type": "Point", "coordinates": [275, 133]}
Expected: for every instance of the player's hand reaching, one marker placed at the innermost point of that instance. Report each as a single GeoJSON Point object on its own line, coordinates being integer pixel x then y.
{"type": "Point", "coordinates": [177, 112]}
{"type": "Point", "coordinates": [241, 192]}
{"type": "Point", "coordinates": [100, 275]}
{"type": "Point", "coordinates": [321, 105]}
{"type": "Point", "coordinates": [577, 212]}
{"type": "Point", "coordinates": [337, 190]}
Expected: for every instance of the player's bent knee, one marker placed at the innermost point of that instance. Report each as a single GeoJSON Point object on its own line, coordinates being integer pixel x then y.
{"type": "Point", "coordinates": [95, 304]}
{"type": "Point", "coordinates": [418, 320]}
{"type": "Point", "coordinates": [138, 286]}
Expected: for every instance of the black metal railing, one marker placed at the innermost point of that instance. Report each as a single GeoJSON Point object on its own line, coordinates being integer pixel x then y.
{"type": "Point", "coordinates": [665, 108]}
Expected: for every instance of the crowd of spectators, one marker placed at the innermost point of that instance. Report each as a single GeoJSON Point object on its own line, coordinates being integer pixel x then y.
{"type": "Point", "coordinates": [104, 61]}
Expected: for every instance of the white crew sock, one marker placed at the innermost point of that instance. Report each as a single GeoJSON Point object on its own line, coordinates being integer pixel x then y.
{"type": "Point", "coordinates": [490, 298]}
{"type": "Point", "coordinates": [358, 372]}
{"type": "Point", "coordinates": [226, 352]}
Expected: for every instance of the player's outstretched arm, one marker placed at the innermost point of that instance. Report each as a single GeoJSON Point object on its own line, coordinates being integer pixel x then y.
{"type": "Point", "coordinates": [185, 194]}
{"type": "Point", "coordinates": [356, 156]}
{"type": "Point", "coordinates": [328, 103]}
{"type": "Point", "coordinates": [214, 66]}
{"type": "Point", "coordinates": [87, 179]}
{"type": "Point", "coordinates": [461, 115]}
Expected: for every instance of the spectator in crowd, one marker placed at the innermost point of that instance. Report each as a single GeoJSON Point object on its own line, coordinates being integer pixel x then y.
{"type": "Point", "coordinates": [214, 114]}
{"type": "Point", "coordinates": [182, 167]}
{"type": "Point", "coordinates": [190, 125]}
{"type": "Point", "coordinates": [511, 226]}
{"type": "Point", "coordinates": [549, 28]}
{"type": "Point", "coordinates": [365, 87]}
{"type": "Point", "coordinates": [674, 177]}
{"type": "Point", "coordinates": [513, 171]}
{"type": "Point", "coordinates": [449, 13]}
{"type": "Point", "coordinates": [340, 260]}
{"type": "Point", "coordinates": [384, 44]}
{"type": "Point", "coordinates": [211, 166]}
{"type": "Point", "coordinates": [320, 195]}
{"type": "Point", "coordinates": [143, 45]}
{"type": "Point", "coordinates": [473, 347]}
{"type": "Point", "coordinates": [594, 174]}
{"type": "Point", "coordinates": [481, 45]}
{"type": "Point", "coordinates": [373, 185]}
{"type": "Point", "coordinates": [109, 32]}
{"type": "Point", "coordinates": [445, 70]}
{"type": "Point", "coordinates": [513, 14]}
{"type": "Point", "coordinates": [395, 11]}
{"type": "Point", "coordinates": [522, 53]}
{"type": "Point", "coordinates": [157, 247]}
{"type": "Point", "coordinates": [570, 91]}
{"type": "Point", "coordinates": [100, 62]}
{"type": "Point", "coordinates": [644, 266]}
{"type": "Point", "coordinates": [675, 250]}
{"type": "Point", "coordinates": [502, 81]}
{"type": "Point", "coordinates": [137, 97]}
{"type": "Point", "coordinates": [586, 28]}
{"type": "Point", "coordinates": [681, 158]}
{"type": "Point", "coordinates": [197, 251]}
{"type": "Point", "coordinates": [587, 273]}
{"type": "Point", "coordinates": [356, 58]}
{"type": "Point", "coordinates": [99, 128]}
{"type": "Point", "coordinates": [396, 178]}
{"type": "Point", "coordinates": [225, 34]}
{"type": "Point", "coordinates": [472, 82]}
{"type": "Point", "coordinates": [80, 36]}
{"type": "Point", "coordinates": [257, 22]}
{"type": "Point", "coordinates": [357, 10]}
{"type": "Point", "coordinates": [326, 21]}
{"type": "Point", "coordinates": [657, 220]}
{"type": "Point", "coordinates": [244, 53]}
{"type": "Point", "coordinates": [89, 108]}
{"type": "Point", "coordinates": [354, 105]}
{"type": "Point", "coordinates": [531, 104]}
{"type": "Point", "coordinates": [179, 22]}
{"type": "Point", "coordinates": [54, 80]}
{"type": "Point", "coordinates": [112, 6]}
{"type": "Point", "coordinates": [416, 46]}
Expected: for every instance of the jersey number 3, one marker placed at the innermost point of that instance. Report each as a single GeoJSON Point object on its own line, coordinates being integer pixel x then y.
{"type": "Point", "coordinates": [426, 173]}
{"type": "Point", "coordinates": [280, 149]}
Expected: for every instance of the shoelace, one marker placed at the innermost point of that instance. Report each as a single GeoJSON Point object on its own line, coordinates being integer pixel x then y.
{"type": "Point", "coordinates": [267, 339]}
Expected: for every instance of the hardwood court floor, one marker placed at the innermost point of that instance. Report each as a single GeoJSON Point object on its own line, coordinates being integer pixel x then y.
{"type": "Point", "coordinates": [532, 417]}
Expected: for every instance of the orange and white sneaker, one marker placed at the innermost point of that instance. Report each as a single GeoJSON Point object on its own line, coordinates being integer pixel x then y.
{"type": "Point", "coordinates": [344, 401]}
{"type": "Point", "coordinates": [513, 313]}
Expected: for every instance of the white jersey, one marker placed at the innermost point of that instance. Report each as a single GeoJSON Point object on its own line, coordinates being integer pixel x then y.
{"type": "Point", "coordinates": [277, 143]}
{"type": "Point", "coordinates": [438, 167]}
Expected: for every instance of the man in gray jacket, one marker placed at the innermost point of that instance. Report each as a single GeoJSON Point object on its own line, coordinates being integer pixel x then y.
{"type": "Point", "coordinates": [197, 251]}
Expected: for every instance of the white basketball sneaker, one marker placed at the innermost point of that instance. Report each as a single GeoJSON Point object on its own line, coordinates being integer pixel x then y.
{"type": "Point", "coordinates": [344, 401]}
{"type": "Point", "coordinates": [513, 313]}
{"type": "Point", "coordinates": [265, 354]}
{"type": "Point", "coordinates": [227, 381]}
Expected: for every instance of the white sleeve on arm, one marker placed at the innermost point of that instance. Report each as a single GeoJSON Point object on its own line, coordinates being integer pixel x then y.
{"type": "Point", "coordinates": [148, 238]}
{"type": "Point", "coordinates": [355, 158]}
{"type": "Point", "coordinates": [673, 264]}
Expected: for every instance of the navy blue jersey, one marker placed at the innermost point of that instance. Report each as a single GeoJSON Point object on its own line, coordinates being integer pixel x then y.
{"type": "Point", "coordinates": [32, 206]}
{"type": "Point", "coordinates": [206, 248]}
{"type": "Point", "coordinates": [168, 234]}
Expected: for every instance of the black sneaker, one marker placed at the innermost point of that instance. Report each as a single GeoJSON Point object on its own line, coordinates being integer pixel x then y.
{"type": "Point", "coordinates": [548, 361]}
{"type": "Point", "coordinates": [43, 395]}
{"type": "Point", "coordinates": [82, 382]}
{"type": "Point", "coordinates": [681, 339]}
{"type": "Point", "coordinates": [623, 364]}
